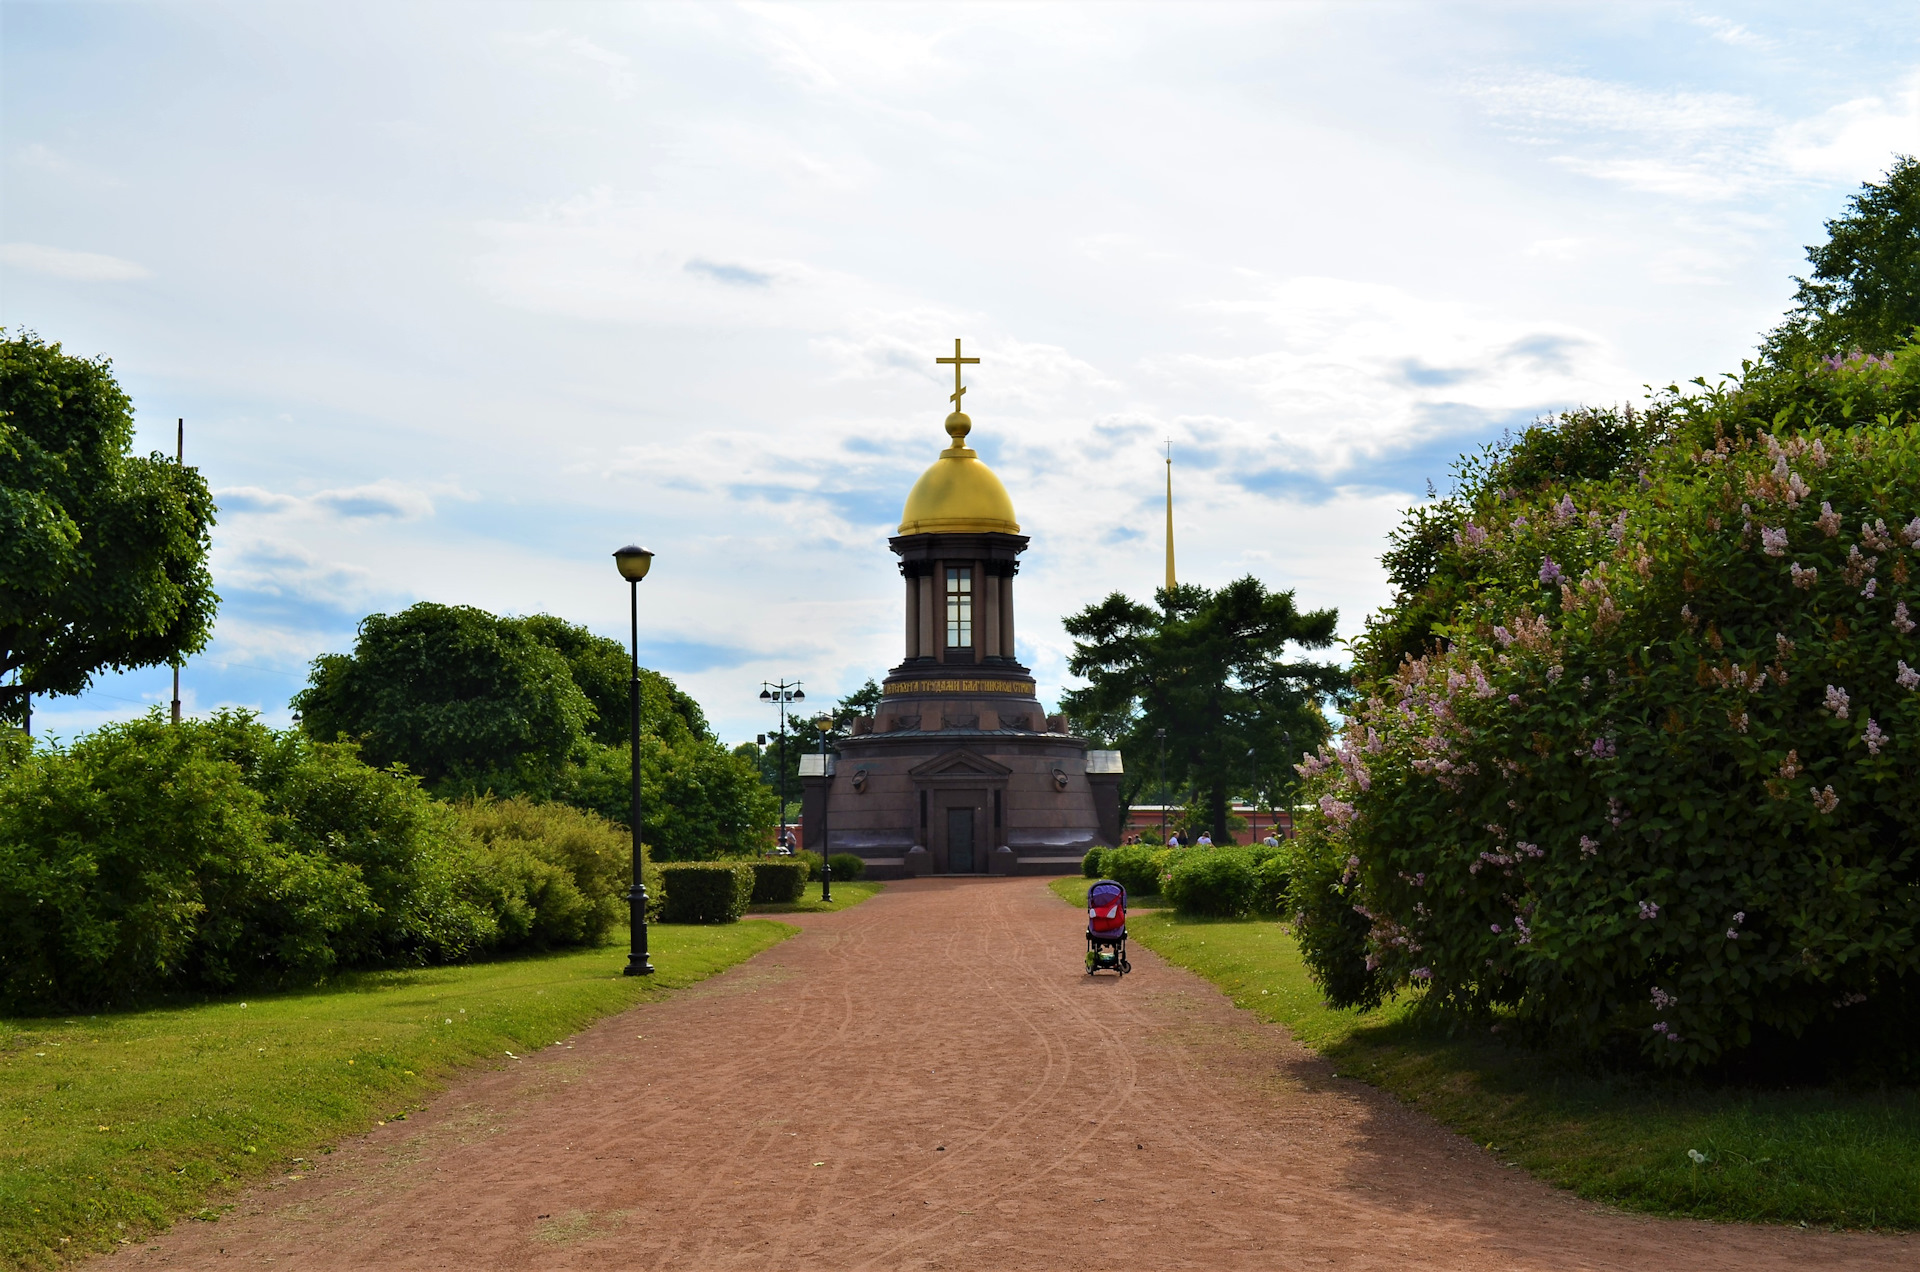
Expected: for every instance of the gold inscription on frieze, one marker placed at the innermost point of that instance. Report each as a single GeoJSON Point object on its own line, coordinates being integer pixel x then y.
{"type": "Point", "coordinates": [960, 686]}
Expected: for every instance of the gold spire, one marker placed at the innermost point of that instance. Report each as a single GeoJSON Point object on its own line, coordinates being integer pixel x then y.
{"type": "Point", "coordinates": [959, 494]}
{"type": "Point", "coordinates": [1169, 514]}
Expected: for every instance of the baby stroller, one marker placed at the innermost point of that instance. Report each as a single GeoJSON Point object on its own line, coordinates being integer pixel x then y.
{"type": "Point", "coordinates": [1107, 928]}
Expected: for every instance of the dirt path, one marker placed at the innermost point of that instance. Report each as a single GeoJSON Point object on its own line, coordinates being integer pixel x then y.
{"type": "Point", "coordinates": [928, 1080]}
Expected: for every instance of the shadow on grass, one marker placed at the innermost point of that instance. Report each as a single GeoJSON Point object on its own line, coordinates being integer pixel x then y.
{"type": "Point", "coordinates": [1664, 1145]}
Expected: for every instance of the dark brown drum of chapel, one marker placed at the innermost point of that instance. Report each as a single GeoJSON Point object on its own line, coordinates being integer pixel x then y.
{"type": "Point", "coordinates": [960, 771]}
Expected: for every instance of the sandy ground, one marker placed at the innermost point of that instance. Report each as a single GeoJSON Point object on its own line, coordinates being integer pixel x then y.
{"type": "Point", "coordinates": [929, 1080]}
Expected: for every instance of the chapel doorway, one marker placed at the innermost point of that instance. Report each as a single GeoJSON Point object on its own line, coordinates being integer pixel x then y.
{"type": "Point", "coordinates": [960, 832]}
{"type": "Point", "coordinates": [960, 840]}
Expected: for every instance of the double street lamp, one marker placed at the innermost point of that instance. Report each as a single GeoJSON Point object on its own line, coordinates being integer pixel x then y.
{"type": "Point", "coordinates": [782, 692]}
{"type": "Point", "coordinates": [634, 563]}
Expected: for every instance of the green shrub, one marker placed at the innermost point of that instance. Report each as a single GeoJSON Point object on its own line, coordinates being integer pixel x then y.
{"type": "Point", "coordinates": [211, 853]}
{"type": "Point", "coordinates": [811, 860]}
{"type": "Point", "coordinates": [573, 868]}
{"type": "Point", "coordinates": [1134, 867]}
{"type": "Point", "coordinates": [1660, 789]}
{"type": "Point", "coordinates": [1093, 863]}
{"type": "Point", "coordinates": [1212, 882]}
{"type": "Point", "coordinates": [778, 880]}
{"type": "Point", "coordinates": [705, 891]}
{"type": "Point", "coordinates": [1273, 879]}
{"type": "Point", "coordinates": [847, 866]}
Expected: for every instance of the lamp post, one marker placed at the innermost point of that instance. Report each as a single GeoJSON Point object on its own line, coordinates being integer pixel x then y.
{"type": "Point", "coordinates": [824, 723]}
{"type": "Point", "coordinates": [634, 563]}
{"type": "Point", "coordinates": [1162, 735]}
{"type": "Point", "coordinates": [782, 692]}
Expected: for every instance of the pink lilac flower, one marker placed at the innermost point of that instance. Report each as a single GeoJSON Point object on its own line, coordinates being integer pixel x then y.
{"type": "Point", "coordinates": [1564, 511]}
{"type": "Point", "coordinates": [1872, 586]}
{"type": "Point", "coordinates": [1819, 454]}
{"type": "Point", "coordinates": [1912, 533]}
{"type": "Point", "coordinates": [1470, 536]}
{"type": "Point", "coordinates": [1495, 927]}
{"type": "Point", "coordinates": [1589, 846]}
{"type": "Point", "coordinates": [1513, 699]}
{"type": "Point", "coordinates": [1773, 541]}
{"type": "Point", "coordinates": [1648, 910]}
{"type": "Point", "coordinates": [1421, 973]}
{"type": "Point", "coordinates": [1502, 635]}
{"type": "Point", "coordinates": [1829, 521]}
{"type": "Point", "coordinates": [1782, 644]}
{"type": "Point", "coordinates": [1662, 999]}
{"type": "Point", "coordinates": [1836, 702]}
{"type": "Point", "coordinates": [1826, 801]}
{"type": "Point", "coordinates": [1732, 935]}
{"type": "Point", "coordinates": [1738, 721]}
{"type": "Point", "coordinates": [1603, 749]}
{"type": "Point", "coordinates": [1908, 677]}
{"type": "Point", "coordinates": [1874, 737]}
{"type": "Point", "coordinates": [1902, 621]}
{"type": "Point", "coordinates": [1549, 572]}
{"type": "Point", "coordinates": [1338, 812]}
{"type": "Point", "coordinates": [1803, 578]}
{"type": "Point", "coordinates": [1619, 529]}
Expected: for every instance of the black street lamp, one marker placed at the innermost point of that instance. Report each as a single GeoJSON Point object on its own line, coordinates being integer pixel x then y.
{"type": "Point", "coordinates": [782, 692]}
{"type": "Point", "coordinates": [634, 562]}
{"type": "Point", "coordinates": [824, 723]}
{"type": "Point", "coordinates": [1162, 735]}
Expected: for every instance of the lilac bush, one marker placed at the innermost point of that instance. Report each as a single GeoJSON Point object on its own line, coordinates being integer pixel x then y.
{"type": "Point", "coordinates": [1659, 784]}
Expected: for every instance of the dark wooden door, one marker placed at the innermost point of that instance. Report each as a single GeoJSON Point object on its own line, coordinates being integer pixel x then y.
{"type": "Point", "coordinates": [960, 841]}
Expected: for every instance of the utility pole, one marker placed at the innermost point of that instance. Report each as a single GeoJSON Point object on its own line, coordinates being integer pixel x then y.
{"type": "Point", "coordinates": [179, 457]}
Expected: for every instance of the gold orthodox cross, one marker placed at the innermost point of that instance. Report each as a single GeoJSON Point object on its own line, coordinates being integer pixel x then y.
{"type": "Point", "coordinates": [956, 360]}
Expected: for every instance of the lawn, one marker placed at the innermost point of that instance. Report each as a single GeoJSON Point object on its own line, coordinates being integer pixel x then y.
{"type": "Point", "coordinates": [1073, 890]}
{"type": "Point", "coordinates": [1830, 1157]}
{"type": "Point", "coordinates": [844, 895]}
{"type": "Point", "coordinates": [117, 1124]}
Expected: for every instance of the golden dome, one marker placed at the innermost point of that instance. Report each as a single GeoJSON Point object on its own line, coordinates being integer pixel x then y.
{"type": "Point", "coordinates": [959, 494]}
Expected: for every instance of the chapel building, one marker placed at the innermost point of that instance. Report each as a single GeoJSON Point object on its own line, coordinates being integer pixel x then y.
{"type": "Point", "coordinates": [960, 771]}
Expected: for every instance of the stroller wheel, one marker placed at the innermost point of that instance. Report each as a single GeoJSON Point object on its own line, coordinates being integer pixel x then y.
{"type": "Point", "coordinates": [1125, 967]}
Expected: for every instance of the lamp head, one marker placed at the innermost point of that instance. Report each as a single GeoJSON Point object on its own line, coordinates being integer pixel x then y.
{"type": "Point", "coordinates": [766, 695]}
{"type": "Point", "coordinates": [824, 723]}
{"type": "Point", "coordinates": [799, 695]}
{"type": "Point", "coordinates": [634, 562]}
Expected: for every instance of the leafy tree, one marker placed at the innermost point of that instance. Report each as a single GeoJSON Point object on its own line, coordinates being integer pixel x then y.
{"type": "Point", "coordinates": [103, 553]}
{"type": "Point", "coordinates": [1865, 291]}
{"type": "Point", "coordinates": [600, 668]}
{"type": "Point", "coordinates": [474, 703]}
{"type": "Point", "coordinates": [466, 700]}
{"type": "Point", "coordinates": [1207, 667]}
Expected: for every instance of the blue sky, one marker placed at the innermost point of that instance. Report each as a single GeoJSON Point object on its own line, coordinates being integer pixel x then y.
{"type": "Point", "coordinates": [457, 298]}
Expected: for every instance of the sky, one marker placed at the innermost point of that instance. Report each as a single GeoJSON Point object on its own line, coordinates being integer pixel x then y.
{"type": "Point", "coordinates": [457, 298]}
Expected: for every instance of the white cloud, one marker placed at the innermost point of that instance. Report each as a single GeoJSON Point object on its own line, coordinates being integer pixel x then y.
{"type": "Point", "coordinates": [79, 267]}
{"type": "Point", "coordinates": [390, 499]}
{"type": "Point", "coordinates": [579, 56]}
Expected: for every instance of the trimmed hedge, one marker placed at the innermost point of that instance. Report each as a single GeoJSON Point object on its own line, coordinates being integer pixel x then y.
{"type": "Point", "coordinates": [847, 866]}
{"type": "Point", "coordinates": [1136, 867]}
{"type": "Point", "coordinates": [705, 891]}
{"type": "Point", "coordinates": [811, 860]}
{"type": "Point", "coordinates": [1093, 863]}
{"type": "Point", "coordinates": [1214, 882]}
{"type": "Point", "coordinates": [778, 881]}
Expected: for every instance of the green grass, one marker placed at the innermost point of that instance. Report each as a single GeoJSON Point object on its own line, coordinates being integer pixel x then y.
{"type": "Point", "coordinates": [112, 1126]}
{"type": "Point", "coordinates": [844, 895]}
{"type": "Point", "coordinates": [1073, 890]}
{"type": "Point", "coordinates": [1830, 1157]}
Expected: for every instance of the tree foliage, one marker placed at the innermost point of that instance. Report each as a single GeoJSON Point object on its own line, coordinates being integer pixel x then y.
{"type": "Point", "coordinates": [1209, 667]}
{"type": "Point", "coordinates": [476, 703]}
{"type": "Point", "coordinates": [1864, 294]}
{"type": "Point", "coordinates": [102, 552]}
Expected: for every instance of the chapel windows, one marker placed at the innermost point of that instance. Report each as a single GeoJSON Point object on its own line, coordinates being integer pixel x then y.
{"type": "Point", "coordinates": [959, 607]}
